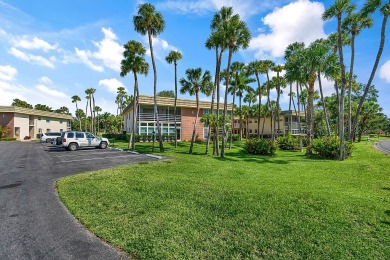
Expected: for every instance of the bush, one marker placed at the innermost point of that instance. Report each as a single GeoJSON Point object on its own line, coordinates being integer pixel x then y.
{"type": "Point", "coordinates": [235, 137]}
{"type": "Point", "coordinates": [8, 139]}
{"type": "Point", "coordinates": [27, 137]}
{"type": "Point", "coordinates": [288, 142]}
{"type": "Point", "coordinates": [329, 147]}
{"type": "Point", "coordinates": [260, 146]}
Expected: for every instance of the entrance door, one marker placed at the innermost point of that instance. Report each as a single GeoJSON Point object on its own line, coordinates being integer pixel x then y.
{"type": "Point", "coordinates": [17, 132]}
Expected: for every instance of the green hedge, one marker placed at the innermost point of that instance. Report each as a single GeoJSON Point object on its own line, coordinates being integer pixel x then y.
{"type": "Point", "coordinates": [260, 146]}
{"type": "Point", "coordinates": [8, 139]}
{"type": "Point", "coordinates": [288, 142]}
{"type": "Point", "coordinates": [329, 147]}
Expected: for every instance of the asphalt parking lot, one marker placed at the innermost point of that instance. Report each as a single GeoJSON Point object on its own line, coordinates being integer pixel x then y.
{"type": "Point", "coordinates": [34, 224]}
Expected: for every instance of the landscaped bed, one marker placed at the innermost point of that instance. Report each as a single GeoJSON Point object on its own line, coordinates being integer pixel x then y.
{"type": "Point", "coordinates": [243, 206]}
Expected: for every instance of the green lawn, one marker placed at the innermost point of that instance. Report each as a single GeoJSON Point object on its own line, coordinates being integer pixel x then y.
{"type": "Point", "coordinates": [202, 207]}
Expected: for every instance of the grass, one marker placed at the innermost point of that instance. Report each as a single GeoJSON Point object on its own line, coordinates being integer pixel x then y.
{"type": "Point", "coordinates": [243, 206]}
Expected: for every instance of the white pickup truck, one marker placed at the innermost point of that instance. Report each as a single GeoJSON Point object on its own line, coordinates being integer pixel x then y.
{"type": "Point", "coordinates": [73, 140]}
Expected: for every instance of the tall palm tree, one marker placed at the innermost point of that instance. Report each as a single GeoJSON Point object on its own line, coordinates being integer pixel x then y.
{"type": "Point", "coordinates": [370, 7]}
{"type": "Point", "coordinates": [98, 110]}
{"type": "Point", "coordinates": [150, 22]}
{"type": "Point", "coordinates": [235, 35]}
{"type": "Point", "coordinates": [237, 69]}
{"type": "Point", "coordinates": [86, 110]}
{"type": "Point", "coordinates": [279, 84]}
{"type": "Point", "coordinates": [76, 99]}
{"type": "Point", "coordinates": [119, 100]}
{"type": "Point", "coordinates": [195, 83]}
{"type": "Point", "coordinates": [173, 57]}
{"type": "Point", "coordinates": [250, 98]}
{"type": "Point", "coordinates": [354, 23]}
{"type": "Point", "coordinates": [134, 62]}
{"type": "Point", "coordinates": [337, 10]}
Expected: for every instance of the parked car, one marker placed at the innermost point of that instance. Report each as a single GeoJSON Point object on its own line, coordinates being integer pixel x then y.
{"type": "Point", "coordinates": [73, 140]}
{"type": "Point", "coordinates": [49, 137]}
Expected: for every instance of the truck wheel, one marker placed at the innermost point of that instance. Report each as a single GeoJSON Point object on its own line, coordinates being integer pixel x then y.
{"type": "Point", "coordinates": [103, 145]}
{"type": "Point", "coordinates": [72, 147]}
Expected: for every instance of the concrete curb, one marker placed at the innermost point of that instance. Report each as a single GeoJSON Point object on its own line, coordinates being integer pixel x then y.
{"type": "Point", "coordinates": [153, 156]}
{"type": "Point", "coordinates": [377, 146]}
{"type": "Point", "coordinates": [132, 152]}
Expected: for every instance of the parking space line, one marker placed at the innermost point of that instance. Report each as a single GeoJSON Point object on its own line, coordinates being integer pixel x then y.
{"type": "Point", "coordinates": [91, 159]}
{"type": "Point", "coordinates": [81, 154]}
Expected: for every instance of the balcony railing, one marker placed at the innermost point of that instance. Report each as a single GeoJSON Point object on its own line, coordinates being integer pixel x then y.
{"type": "Point", "coordinates": [294, 125]}
{"type": "Point", "coordinates": [161, 117]}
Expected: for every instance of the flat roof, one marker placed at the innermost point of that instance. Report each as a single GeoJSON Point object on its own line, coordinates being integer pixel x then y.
{"type": "Point", "coordinates": [35, 112]}
{"type": "Point", "coordinates": [170, 102]}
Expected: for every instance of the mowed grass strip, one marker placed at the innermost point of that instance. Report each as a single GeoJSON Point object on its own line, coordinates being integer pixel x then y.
{"type": "Point", "coordinates": [244, 206]}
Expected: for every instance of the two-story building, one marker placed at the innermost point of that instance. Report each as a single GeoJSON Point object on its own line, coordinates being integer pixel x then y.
{"type": "Point", "coordinates": [23, 122]}
{"type": "Point", "coordinates": [185, 117]}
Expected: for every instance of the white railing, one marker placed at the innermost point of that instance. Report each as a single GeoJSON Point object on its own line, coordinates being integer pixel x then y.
{"type": "Point", "coordinates": [161, 117]}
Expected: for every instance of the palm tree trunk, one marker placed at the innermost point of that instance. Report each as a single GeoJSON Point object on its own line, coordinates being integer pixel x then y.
{"type": "Point", "coordinates": [259, 112]}
{"type": "Point", "coordinates": [196, 120]}
{"type": "Point", "coordinates": [132, 137]}
{"type": "Point", "coordinates": [240, 118]}
{"type": "Point", "coordinates": [299, 121]}
{"type": "Point", "coordinates": [289, 110]}
{"type": "Point", "coordinates": [277, 104]}
{"type": "Point", "coordinates": [349, 123]}
{"type": "Point", "coordinates": [342, 92]}
{"type": "Point", "coordinates": [86, 115]}
{"type": "Point", "coordinates": [231, 128]}
{"type": "Point", "coordinates": [212, 104]}
{"type": "Point", "coordinates": [310, 118]}
{"type": "Point", "coordinates": [368, 85]}
{"type": "Point", "coordinates": [155, 92]}
{"type": "Point", "coordinates": [174, 109]}
{"type": "Point", "coordinates": [77, 108]}
{"type": "Point", "coordinates": [324, 105]}
{"type": "Point", "coordinates": [269, 105]}
{"type": "Point", "coordinates": [94, 116]}
{"type": "Point", "coordinates": [216, 147]}
{"type": "Point", "coordinates": [225, 103]}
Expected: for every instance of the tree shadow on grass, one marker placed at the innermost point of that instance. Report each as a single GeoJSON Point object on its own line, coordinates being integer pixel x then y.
{"type": "Point", "coordinates": [386, 188]}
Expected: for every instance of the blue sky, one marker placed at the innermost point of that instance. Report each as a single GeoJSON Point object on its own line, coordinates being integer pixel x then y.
{"type": "Point", "coordinates": [52, 50]}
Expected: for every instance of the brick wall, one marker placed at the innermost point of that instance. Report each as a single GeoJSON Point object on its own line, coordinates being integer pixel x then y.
{"type": "Point", "coordinates": [187, 123]}
{"type": "Point", "coordinates": [7, 119]}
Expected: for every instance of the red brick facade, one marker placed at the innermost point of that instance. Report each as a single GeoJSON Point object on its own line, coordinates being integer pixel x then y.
{"type": "Point", "coordinates": [7, 119]}
{"type": "Point", "coordinates": [187, 123]}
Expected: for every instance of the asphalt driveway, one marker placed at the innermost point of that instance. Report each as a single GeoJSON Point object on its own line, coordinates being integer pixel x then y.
{"type": "Point", "coordinates": [34, 224]}
{"type": "Point", "coordinates": [384, 146]}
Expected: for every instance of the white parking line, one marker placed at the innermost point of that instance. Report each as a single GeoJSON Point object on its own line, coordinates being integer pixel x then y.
{"type": "Point", "coordinates": [80, 154]}
{"type": "Point", "coordinates": [91, 159]}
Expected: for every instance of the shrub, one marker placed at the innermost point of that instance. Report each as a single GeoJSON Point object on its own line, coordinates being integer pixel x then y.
{"type": "Point", "coordinates": [8, 139]}
{"type": "Point", "coordinates": [288, 142]}
{"type": "Point", "coordinates": [4, 131]}
{"type": "Point", "coordinates": [260, 146]}
{"type": "Point", "coordinates": [27, 137]}
{"type": "Point", "coordinates": [235, 137]}
{"type": "Point", "coordinates": [329, 147]}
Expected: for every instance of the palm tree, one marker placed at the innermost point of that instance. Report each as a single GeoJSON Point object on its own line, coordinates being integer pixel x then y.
{"type": "Point", "coordinates": [174, 56]}
{"type": "Point", "coordinates": [119, 100]}
{"type": "Point", "coordinates": [76, 99]}
{"type": "Point", "coordinates": [337, 10]}
{"type": "Point", "coordinates": [86, 110]}
{"type": "Point", "coordinates": [151, 23]}
{"type": "Point", "coordinates": [249, 98]}
{"type": "Point", "coordinates": [279, 83]}
{"type": "Point", "coordinates": [370, 7]}
{"type": "Point", "coordinates": [354, 24]}
{"type": "Point", "coordinates": [237, 69]}
{"type": "Point", "coordinates": [98, 110]}
{"type": "Point", "coordinates": [235, 35]}
{"type": "Point", "coordinates": [195, 83]}
{"type": "Point", "coordinates": [134, 62]}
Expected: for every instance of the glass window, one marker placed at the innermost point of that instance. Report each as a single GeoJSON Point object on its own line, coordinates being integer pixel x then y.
{"type": "Point", "coordinates": [70, 135]}
{"type": "Point", "coordinates": [48, 120]}
{"type": "Point", "coordinates": [79, 135]}
{"type": "Point", "coordinates": [48, 130]}
{"type": "Point", "coordinates": [143, 130]}
{"type": "Point", "coordinates": [89, 135]}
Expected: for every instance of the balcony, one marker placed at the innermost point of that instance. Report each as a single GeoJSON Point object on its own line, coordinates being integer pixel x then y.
{"type": "Point", "coordinates": [162, 117]}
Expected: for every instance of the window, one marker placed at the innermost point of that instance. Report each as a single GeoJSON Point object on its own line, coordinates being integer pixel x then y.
{"type": "Point", "coordinates": [39, 118]}
{"type": "Point", "coordinates": [48, 120]}
{"type": "Point", "coordinates": [61, 130]}
{"type": "Point", "coordinates": [48, 130]}
{"type": "Point", "coordinates": [250, 121]}
{"type": "Point", "coordinates": [71, 135]}
{"type": "Point", "coordinates": [250, 131]}
{"type": "Point", "coordinates": [61, 121]}
{"type": "Point", "coordinates": [79, 135]}
{"type": "Point", "coordinates": [255, 131]}
{"type": "Point", "coordinates": [256, 122]}
{"type": "Point", "coordinates": [89, 135]}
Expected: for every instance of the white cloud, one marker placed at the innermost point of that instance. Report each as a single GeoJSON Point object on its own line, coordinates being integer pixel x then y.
{"type": "Point", "coordinates": [45, 80]}
{"type": "Point", "coordinates": [200, 7]}
{"type": "Point", "coordinates": [111, 85]}
{"type": "Point", "coordinates": [384, 72]}
{"type": "Point", "coordinates": [84, 58]}
{"type": "Point", "coordinates": [34, 59]}
{"type": "Point", "coordinates": [51, 92]}
{"type": "Point", "coordinates": [34, 44]}
{"type": "Point", "coordinates": [7, 72]}
{"type": "Point", "coordinates": [8, 93]}
{"type": "Point", "coordinates": [161, 48]}
{"type": "Point", "coordinates": [299, 21]}
{"type": "Point", "coordinates": [109, 53]}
